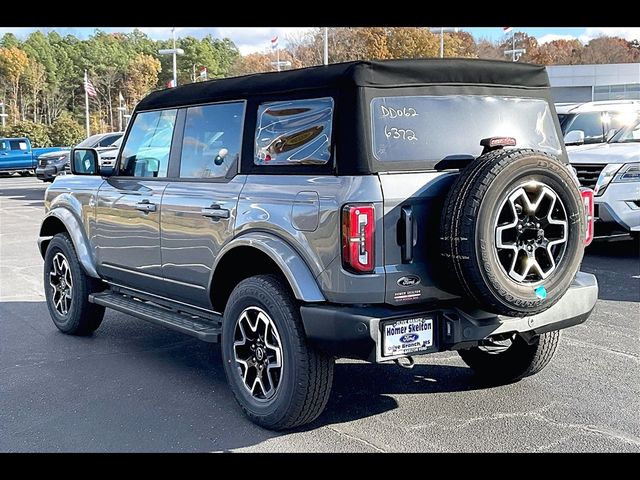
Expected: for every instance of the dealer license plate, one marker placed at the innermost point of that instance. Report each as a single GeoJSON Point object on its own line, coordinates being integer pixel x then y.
{"type": "Point", "coordinates": [402, 337]}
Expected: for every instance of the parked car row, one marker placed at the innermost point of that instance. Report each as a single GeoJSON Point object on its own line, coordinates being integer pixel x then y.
{"type": "Point", "coordinates": [54, 163]}
{"type": "Point", "coordinates": [17, 155]}
{"type": "Point", "coordinates": [602, 145]}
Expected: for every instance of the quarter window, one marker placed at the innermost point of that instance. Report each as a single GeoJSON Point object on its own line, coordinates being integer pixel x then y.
{"type": "Point", "coordinates": [146, 153]}
{"type": "Point", "coordinates": [295, 132]}
{"type": "Point", "coordinates": [212, 139]}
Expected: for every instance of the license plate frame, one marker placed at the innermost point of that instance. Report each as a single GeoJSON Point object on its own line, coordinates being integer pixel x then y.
{"type": "Point", "coordinates": [425, 338]}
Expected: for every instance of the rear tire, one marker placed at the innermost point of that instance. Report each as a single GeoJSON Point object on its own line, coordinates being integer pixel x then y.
{"type": "Point", "coordinates": [518, 361]}
{"type": "Point", "coordinates": [67, 288]}
{"type": "Point", "coordinates": [302, 381]}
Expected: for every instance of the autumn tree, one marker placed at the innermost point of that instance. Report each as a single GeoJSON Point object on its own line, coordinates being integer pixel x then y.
{"type": "Point", "coordinates": [13, 63]}
{"type": "Point", "coordinates": [35, 81]}
{"type": "Point", "coordinates": [412, 42]}
{"type": "Point", "coordinates": [141, 77]}
{"type": "Point", "coordinates": [609, 50]}
{"type": "Point", "coordinates": [559, 52]}
{"type": "Point", "coordinates": [252, 63]}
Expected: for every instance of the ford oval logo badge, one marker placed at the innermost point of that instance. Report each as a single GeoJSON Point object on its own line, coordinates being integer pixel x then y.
{"type": "Point", "coordinates": [408, 338]}
{"type": "Point", "coordinates": [408, 281]}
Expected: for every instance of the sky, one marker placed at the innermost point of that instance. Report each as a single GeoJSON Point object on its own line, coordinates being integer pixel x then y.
{"type": "Point", "coordinates": [258, 39]}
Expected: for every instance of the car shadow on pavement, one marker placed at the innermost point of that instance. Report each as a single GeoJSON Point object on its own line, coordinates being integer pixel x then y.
{"type": "Point", "coordinates": [29, 196]}
{"type": "Point", "coordinates": [133, 386]}
{"type": "Point", "coordinates": [363, 390]}
{"type": "Point", "coordinates": [616, 265]}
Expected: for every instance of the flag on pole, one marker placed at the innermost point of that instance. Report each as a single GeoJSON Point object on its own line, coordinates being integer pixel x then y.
{"type": "Point", "coordinates": [506, 29]}
{"type": "Point", "coordinates": [274, 42]}
{"type": "Point", "coordinates": [203, 72]}
{"type": "Point", "coordinates": [89, 88]}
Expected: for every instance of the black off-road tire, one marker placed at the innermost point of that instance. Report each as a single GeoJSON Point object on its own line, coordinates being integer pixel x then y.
{"type": "Point", "coordinates": [83, 317]}
{"type": "Point", "coordinates": [467, 235]}
{"type": "Point", "coordinates": [307, 374]}
{"type": "Point", "coordinates": [518, 361]}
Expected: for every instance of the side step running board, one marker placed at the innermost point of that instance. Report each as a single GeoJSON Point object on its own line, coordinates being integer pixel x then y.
{"type": "Point", "coordinates": [206, 330]}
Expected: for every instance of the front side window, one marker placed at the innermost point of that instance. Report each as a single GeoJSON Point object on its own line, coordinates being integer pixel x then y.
{"type": "Point", "coordinates": [592, 124]}
{"type": "Point", "coordinates": [212, 140]}
{"type": "Point", "coordinates": [18, 144]}
{"type": "Point", "coordinates": [427, 129]}
{"type": "Point", "coordinates": [294, 132]}
{"type": "Point", "coordinates": [146, 153]}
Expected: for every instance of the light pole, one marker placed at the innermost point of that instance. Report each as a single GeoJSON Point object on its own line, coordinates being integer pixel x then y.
{"type": "Point", "coordinates": [515, 53]}
{"type": "Point", "coordinates": [173, 51]}
{"type": "Point", "coordinates": [442, 32]}
{"type": "Point", "coordinates": [3, 115]}
{"type": "Point", "coordinates": [326, 46]}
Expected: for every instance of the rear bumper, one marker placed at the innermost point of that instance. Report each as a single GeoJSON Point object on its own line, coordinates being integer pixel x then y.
{"type": "Point", "coordinates": [354, 332]}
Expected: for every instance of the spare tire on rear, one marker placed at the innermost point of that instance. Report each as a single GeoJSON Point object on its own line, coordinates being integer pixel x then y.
{"type": "Point", "coordinates": [512, 231]}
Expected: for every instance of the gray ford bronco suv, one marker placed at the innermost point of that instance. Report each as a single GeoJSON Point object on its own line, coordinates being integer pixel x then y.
{"type": "Point", "coordinates": [368, 210]}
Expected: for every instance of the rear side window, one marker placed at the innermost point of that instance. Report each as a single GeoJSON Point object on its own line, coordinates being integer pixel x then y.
{"type": "Point", "coordinates": [146, 153]}
{"type": "Point", "coordinates": [18, 144]}
{"type": "Point", "coordinates": [107, 141]}
{"type": "Point", "coordinates": [294, 132]}
{"type": "Point", "coordinates": [212, 139]}
{"type": "Point", "coordinates": [428, 129]}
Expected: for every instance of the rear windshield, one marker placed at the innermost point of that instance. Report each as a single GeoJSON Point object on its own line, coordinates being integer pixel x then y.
{"type": "Point", "coordinates": [432, 128]}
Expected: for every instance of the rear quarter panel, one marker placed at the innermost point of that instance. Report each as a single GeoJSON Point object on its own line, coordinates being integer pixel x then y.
{"type": "Point", "coordinates": [304, 211]}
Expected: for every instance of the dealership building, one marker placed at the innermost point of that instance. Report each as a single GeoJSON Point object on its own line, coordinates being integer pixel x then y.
{"type": "Point", "coordinates": [585, 83]}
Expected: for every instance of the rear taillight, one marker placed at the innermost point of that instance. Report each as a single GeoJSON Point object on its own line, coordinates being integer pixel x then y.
{"type": "Point", "coordinates": [587, 201]}
{"type": "Point", "coordinates": [358, 222]}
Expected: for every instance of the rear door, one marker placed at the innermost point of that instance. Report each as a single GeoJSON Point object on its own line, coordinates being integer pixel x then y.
{"type": "Point", "coordinates": [199, 208]}
{"type": "Point", "coordinates": [127, 227]}
{"type": "Point", "coordinates": [418, 143]}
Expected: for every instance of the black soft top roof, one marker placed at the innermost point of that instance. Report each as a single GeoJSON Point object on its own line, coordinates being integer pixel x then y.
{"type": "Point", "coordinates": [383, 73]}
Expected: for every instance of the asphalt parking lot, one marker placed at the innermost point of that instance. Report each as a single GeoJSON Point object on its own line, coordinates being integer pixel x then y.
{"type": "Point", "coordinates": [133, 386]}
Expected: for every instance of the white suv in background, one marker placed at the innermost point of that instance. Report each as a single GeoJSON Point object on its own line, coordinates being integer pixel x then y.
{"type": "Point", "coordinates": [595, 122]}
{"type": "Point", "coordinates": [612, 170]}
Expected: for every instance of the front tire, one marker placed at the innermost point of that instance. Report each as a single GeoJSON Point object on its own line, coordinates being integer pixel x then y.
{"type": "Point", "coordinates": [518, 360]}
{"type": "Point", "coordinates": [279, 380]}
{"type": "Point", "coordinates": [67, 288]}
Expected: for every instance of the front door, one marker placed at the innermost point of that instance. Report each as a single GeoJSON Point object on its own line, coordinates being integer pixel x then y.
{"type": "Point", "coordinates": [199, 209]}
{"type": "Point", "coordinates": [128, 210]}
{"type": "Point", "coordinates": [15, 154]}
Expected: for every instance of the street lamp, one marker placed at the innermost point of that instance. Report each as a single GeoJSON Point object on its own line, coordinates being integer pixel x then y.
{"type": "Point", "coordinates": [442, 30]}
{"type": "Point", "coordinates": [173, 51]}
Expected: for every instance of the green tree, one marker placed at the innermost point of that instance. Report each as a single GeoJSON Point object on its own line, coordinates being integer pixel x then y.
{"type": "Point", "coordinates": [66, 131]}
{"type": "Point", "coordinates": [36, 132]}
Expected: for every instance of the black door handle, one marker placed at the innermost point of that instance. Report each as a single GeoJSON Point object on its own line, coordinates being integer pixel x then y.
{"type": "Point", "coordinates": [145, 206]}
{"type": "Point", "coordinates": [407, 243]}
{"type": "Point", "coordinates": [215, 212]}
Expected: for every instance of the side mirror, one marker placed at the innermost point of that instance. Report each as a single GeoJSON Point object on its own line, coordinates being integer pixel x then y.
{"type": "Point", "coordinates": [574, 137]}
{"type": "Point", "coordinates": [85, 161]}
{"type": "Point", "coordinates": [220, 157]}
